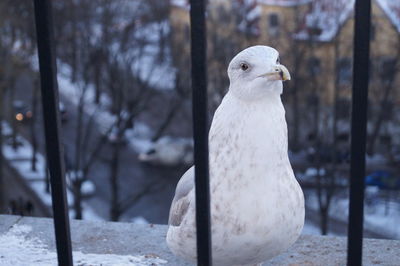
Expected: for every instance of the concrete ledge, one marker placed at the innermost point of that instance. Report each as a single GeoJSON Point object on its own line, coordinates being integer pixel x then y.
{"type": "Point", "coordinates": [132, 239]}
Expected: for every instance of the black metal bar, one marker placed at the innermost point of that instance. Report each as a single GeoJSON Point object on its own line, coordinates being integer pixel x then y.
{"type": "Point", "coordinates": [358, 131]}
{"type": "Point", "coordinates": [48, 77]}
{"type": "Point", "coordinates": [200, 130]}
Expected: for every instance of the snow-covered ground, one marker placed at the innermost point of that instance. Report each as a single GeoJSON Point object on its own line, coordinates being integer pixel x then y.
{"type": "Point", "coordinates": [17, 249]}
{"type": "Point", "coordinates": [375, 218]}
{"type": "Point", "coordinates": [20, 161]}
{"type": "Point", "coordinates": [310, 229]}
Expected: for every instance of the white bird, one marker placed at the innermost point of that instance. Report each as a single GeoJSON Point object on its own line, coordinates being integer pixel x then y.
{"type": "Point", "coordinates": [257, 205]}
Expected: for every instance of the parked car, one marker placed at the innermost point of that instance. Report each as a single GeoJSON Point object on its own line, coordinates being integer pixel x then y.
{"type": "Point", "coordinates": [326, 155]}
{"type": "Point", "coordinates": [383, 180]}
{"type": "Point", "coordinates": [22, 112]}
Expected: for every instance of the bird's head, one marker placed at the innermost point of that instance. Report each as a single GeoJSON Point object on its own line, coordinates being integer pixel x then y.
{"type": "Point", "coordinates": [256, 72]}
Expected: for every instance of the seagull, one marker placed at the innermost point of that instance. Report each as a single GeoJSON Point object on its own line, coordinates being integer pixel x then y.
{"type": "Point", "coordinates": [256, 203]}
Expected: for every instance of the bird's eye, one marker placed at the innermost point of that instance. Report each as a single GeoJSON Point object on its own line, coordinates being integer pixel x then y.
{"type": "Point", "coordinates": [278, 61]}
{"type": "Point", "coordinates": [244, 66]}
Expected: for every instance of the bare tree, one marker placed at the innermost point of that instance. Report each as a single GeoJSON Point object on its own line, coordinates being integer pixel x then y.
{"type": "Point", "coordinates": [32, 125]}
{"type": "Point", "coordinates": [16, 42]}
{"type": "Point", "coordinates": [175, 106]}
{"type": "Point", "coordinates": [325, 121]}
{"type": "Point", "coordinates": [132, 96]}
{"type": "Point", "coordinates": [386, 84]}
{"type": "Point", "coordinates": [2, 88]}
{"type": "Point", "coordinates": [125, 81]}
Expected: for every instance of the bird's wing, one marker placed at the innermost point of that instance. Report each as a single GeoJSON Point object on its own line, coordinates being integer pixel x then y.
{"type": "Point", "coordinates": [180, 203]}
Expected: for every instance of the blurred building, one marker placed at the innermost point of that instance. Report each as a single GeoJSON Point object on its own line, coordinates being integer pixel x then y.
{"type": "Point", "coordinates": [314, 37]}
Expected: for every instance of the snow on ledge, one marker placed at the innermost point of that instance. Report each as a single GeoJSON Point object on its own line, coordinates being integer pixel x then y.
{"type": "Point", "coordinates": [17, 249]}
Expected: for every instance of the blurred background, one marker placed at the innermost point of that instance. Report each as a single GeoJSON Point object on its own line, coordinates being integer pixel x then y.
{"type": "Point", "coordinates": [125, 104]}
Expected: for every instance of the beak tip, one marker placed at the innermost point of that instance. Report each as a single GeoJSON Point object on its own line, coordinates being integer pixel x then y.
{"type": "Point", "coordinates": [285, 73]}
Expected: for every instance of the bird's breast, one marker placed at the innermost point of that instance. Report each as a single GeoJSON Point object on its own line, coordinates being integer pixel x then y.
{"type": "Point", "coordinates": [250, 174]}
{"type": "Point", "coordinates": [248, 138]}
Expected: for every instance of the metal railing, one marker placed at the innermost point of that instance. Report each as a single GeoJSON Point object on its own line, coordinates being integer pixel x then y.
{"type": "Point", "coordinates": [200, 125]}
{"type": "Point", "coordinates": [200, 130]}
{"type": "Point", "coordinates": [362, 12]}
{"type": "Point", "coordinates": [54, 152]}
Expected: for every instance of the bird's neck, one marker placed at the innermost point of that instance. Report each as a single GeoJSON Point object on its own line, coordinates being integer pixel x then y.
{"type": "Point", "coordinates": [263, 97]}
{"type": "Point", "coordinates": [271, 100]}
{"type": "Point", "coordinates": [257, 92]}
{"type": "Point", "coordinates": [247, 124]}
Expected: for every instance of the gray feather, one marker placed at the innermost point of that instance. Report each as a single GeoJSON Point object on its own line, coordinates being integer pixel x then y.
{"type": "Point", "coordinates": [180, 203]}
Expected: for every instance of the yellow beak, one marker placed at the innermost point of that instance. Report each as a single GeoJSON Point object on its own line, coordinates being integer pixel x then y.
{"type": "Point", "coordinates": [280, 72]}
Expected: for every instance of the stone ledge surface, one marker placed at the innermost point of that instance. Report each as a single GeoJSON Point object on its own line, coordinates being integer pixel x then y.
{"type": "Point", "coordinates": [133, 239]}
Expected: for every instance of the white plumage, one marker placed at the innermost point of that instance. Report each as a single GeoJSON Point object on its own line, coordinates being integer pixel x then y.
{"type": "Point", "coordinates": [257, 206]}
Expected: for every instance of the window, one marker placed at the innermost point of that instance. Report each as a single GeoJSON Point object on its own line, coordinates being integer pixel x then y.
{"type": "Point", "coordinates": [388, 69]}
{"type": "Point", "coordinates": [314, 66]}
{"type": "Point", "coordinates": [187, 31]}
{"type": "Point", "coordinates": [312, 100]}
{"type": "Point", "coordinates": [273, 20]}
{"type": "Point", "coordinates": [344, 71]}
{"type": "Point", "coordinates": [372, 32]}
{"type": "Point", "coordinates": [371, 70]}
{"type": "Point", "coordinates": [223, 15]}
{"type": "Point", "coordinates": [343, 108]}
{"type": "Point", "coordinates": [387, 110]}
{"type": "Point", "coordinates": [273, 23]}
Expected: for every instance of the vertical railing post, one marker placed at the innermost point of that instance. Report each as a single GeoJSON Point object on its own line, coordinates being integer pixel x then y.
{"type": "Point", "coordinates": [358, 130]}
{"type": "Point", "coordinates": [200, 130]}
{"type": "Point", "coordinates": [48, 78]}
